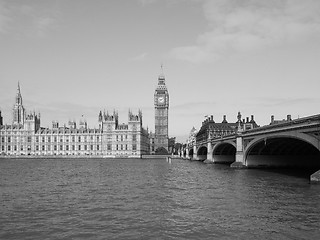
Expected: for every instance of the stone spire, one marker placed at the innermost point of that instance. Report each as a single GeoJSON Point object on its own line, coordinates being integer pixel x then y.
{"type": "Point", "coordinates": [18, 95]}
{"type": "Point", "coordinates": [18, 109]}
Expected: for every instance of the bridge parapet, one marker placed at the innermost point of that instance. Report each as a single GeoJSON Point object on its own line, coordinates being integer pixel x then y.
{"type": "Point", "coordinates": [284, 126]}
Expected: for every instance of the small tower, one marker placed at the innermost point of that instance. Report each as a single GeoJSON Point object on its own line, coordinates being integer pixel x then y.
{"type": "Point", "coordinates": [224, 119]}
{"type": "Point", "coordinates": [83, 123]}
{"type": "Point", "coordinates": [1, 119]}
{"type": "Point", "coordinates": [32, 122]}
{"type": "Point", "coordinates": [18, 109]}
{"type": "Point", "coordinates": [72, 124]}
{"type": "Point", "coordinates": [239, 117]}
{"type": "Point", "coordinates": [135, 121]}
{"type": "Point", "coordinates": [100, 117]}
{"type": "Point", "coordinates": [110, 122]}
{"type": "Point", "coordinates": [55, 124]}
{"type": "Point", "coordinates": [140, 117]}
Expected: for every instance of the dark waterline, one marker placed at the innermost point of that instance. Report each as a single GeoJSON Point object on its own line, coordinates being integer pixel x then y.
{"type": "Point", "coordinates": [153, 199]}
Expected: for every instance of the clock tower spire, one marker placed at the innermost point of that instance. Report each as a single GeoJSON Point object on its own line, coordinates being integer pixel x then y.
{"type": "Point", "coordinates": [161, 104]}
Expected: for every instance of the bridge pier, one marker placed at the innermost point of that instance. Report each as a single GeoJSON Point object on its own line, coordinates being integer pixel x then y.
{"type": "Point", "coordinates": [195, 154]}
{"type": "Point", "coordinates": [209, 153]}
{"type": "Point", "coordinates": [240, 161]}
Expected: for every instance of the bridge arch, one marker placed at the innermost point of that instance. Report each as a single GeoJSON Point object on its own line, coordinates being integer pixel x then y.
{"type": "Point", "coordinates": [224, 152]}
{"type": "Point", "coordinates": [291, 150]}
{"type": "Point", "coordinates": [202, 153]}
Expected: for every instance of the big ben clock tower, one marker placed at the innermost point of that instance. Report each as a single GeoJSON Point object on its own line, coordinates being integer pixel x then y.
{"type": "Point", "coordinates": [161, 105]}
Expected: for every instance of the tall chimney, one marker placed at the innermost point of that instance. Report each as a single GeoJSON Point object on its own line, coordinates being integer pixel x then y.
{"type": "Point", "coordinates": [272, 118]}
{"type": "Point", "coordinates": [289, 117]}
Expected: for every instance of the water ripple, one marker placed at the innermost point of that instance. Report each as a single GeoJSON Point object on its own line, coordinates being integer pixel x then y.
{"type": "Point", "coordinates": [152, 199]}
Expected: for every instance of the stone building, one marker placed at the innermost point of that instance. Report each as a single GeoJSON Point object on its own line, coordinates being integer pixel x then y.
{"type": "Point", "coordinates": [212, 129]}
{"type": "Point", "coordinates": [25, 136]}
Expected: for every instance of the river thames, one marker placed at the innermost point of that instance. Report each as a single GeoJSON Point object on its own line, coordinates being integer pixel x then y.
{"type": "Point", "coordinates": [153, 199]}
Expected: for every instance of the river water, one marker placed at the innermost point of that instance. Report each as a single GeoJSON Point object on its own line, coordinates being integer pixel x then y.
{"type": "Point", "coordinates": [152, 199]}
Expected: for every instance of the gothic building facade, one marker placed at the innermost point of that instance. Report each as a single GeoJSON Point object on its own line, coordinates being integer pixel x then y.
{"type": "Point", "coordinates": [211, 129]}
{"type": "Point", "coordinates": [25, 136]}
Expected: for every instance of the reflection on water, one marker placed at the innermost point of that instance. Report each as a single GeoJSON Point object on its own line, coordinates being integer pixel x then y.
{"type": "Point", "coordinates": [153, 199]}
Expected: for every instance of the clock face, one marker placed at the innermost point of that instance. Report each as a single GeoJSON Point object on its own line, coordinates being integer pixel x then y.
{"type": "Point", "coordinates": [161, 99]}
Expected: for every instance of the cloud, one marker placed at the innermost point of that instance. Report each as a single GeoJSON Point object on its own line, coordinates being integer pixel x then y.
{"type": "Point", "coordinates": [4, 18]}
{"type": "Point", "coordinates": [146, 2]}
{"type": "Point", "coordinates": [249, 25]}
{"type": "Point", "coordinates": [28, 19]}
{"type": "Point", "coordinates": [286, 102]}
{"type": "Point", "coordinates": [139, 57]}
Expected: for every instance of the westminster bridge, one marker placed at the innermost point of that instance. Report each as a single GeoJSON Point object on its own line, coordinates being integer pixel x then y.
{"type": "Point", "coordinates": [290, 144]}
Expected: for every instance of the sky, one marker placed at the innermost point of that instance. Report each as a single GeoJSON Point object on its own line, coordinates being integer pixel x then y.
{"type": "Point", "coordinates": [74, 58]}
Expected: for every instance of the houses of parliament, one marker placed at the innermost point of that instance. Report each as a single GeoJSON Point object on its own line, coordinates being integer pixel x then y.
{"type": "Point", "coordinates": [26, 137]}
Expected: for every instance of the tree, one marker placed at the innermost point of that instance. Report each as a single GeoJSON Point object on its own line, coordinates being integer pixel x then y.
{"type": "Point", "coordinates": [161, 151]}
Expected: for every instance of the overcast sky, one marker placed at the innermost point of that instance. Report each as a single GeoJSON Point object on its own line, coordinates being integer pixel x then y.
{"type": "Point", "coordinates": [77, 57]}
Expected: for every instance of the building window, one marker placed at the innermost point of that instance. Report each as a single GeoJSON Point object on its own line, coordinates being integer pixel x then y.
{"type": "Point", "coordinates": [67, 147]}
{"type": "Point", "coordinates": [73, 147]}
{"type": "Point", "coordinates": [37, 139]}
{"type": "Point", "coordinates": [43, 148]}
{"type": "Point", "coordinates": [55, 148]}
{"type": "Point", "coordinates": [117, 147]}
{"type": "Point", "coordinates": [15, 148]}
{"type": "Point", "coordinates": [49, 139]}
{"type": "Point", "coordinates": [2, 148]}
{"type": "Point", "coordinates": [85, 147]}
{"type": "Point", "coordinates": [79, 139]}
{"type": "Point", "coordinates": [91, 147]}
{"type": "Point", "coordinates": [61, 147]}
{"type": "Point", "coordinates": [55, 139]}
{"type": "Point", "coordinates": [37, 147]}
{"type": "Point", "coordinates": [42, 139]}
{"type": "Point", "coordinates": [134, 137]}
{"type": "Point", "coordinates": [9, 148]}
{"type": "Point", "coordinates": [72, 138]}
{"type": "Point", "coordinates": [9, 140]}
{"type": "Point", "coordinates": [98, 147]}
{"type": "Point", "coordinates": [109, 147]}
{"type": "Point", "coordinates": [48, 147]}
{"type": "Point", "coordinates": [79, 148]}
{"type": "Point", "coordinates": [2, 139]}
{"type": "Point", "coordinates": [134, 147]}
{"type": "Point", "coordinates": [61, 140]}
